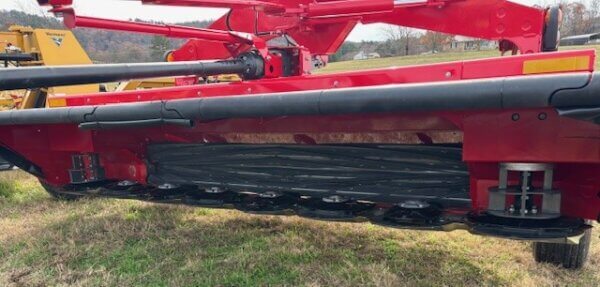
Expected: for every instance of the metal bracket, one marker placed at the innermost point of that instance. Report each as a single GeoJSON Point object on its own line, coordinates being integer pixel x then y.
{"type": "Point", "coordinates": [524, 200]}
{"type": "Point", "coordinates": [86, 168]}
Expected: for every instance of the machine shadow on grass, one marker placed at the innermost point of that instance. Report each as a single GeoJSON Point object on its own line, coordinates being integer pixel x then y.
{"type": "Point", "coordinates": [163, 245]}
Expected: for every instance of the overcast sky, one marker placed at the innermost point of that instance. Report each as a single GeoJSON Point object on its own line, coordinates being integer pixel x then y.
{"type": "Point", "coordinates": [121, 9]}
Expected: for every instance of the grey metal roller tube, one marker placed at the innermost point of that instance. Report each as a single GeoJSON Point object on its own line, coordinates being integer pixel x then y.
{"type": "Point", "coordinates": [53, 76]}
{"type": "Point", "coordinates": [523, 92]}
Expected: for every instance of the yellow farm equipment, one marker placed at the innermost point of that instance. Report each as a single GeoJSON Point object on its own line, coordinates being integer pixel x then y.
{"type": "Point", "coordinates": [25, 46]}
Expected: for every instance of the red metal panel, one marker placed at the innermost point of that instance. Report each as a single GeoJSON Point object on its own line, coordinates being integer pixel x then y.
{"type": "Point", "coordinates": [498, 137]}
{"type": "Point", "coordinates": [487, 19]}
{"type": "Point", "coordinates": [488, 137]}
{"type": "Point", "coordinates": [351, 7]}
{"type": "Point", "coordinates": [474, 69]}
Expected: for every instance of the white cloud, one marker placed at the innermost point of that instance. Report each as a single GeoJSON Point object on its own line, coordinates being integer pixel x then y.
{"type": "Point", "coordinates": [122, 10]}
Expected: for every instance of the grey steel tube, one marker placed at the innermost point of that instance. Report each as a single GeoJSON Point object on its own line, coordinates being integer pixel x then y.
{"type": "Point", "coordinates": [53, 76]}
{"type": "Point", "coordinates": [522, 92]}
{"type": "Point", "coordinates": [16, 57]}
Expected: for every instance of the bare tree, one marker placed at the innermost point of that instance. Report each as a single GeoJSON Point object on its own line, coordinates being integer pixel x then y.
{"type": "Point", "coordinates": [579, 19]}
{"type": "Point", "coordinates": [579, 16]}
{"type": "Point", "coordinates": [435, 41]}
{"type": "Point", "coordinates": [401, 35]}
{"type": "Point", "coordinates": [594, 11]}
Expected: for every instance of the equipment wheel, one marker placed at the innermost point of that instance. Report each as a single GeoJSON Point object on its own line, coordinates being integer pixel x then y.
{"type": "Point", "coordinates": [551, 35]}
{"type": "Point", "coordinates": [569, 256]}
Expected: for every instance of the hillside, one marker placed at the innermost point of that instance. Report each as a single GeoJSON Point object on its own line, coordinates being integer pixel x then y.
{"type": "Point", "coordinates": [102, 46]}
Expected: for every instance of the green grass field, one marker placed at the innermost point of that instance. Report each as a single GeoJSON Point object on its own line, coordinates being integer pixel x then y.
{"type": "Point", "coordinates": [109, 242]}
{"type": "Point", "coordinates": [423, 59]}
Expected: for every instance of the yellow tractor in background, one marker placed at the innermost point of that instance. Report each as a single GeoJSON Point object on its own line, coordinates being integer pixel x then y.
{"type": "Point", "coordinates": [25, 47]}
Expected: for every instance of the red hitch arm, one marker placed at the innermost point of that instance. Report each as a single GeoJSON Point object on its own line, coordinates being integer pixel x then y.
{"type": "Point", "coordinates": [172, 31]}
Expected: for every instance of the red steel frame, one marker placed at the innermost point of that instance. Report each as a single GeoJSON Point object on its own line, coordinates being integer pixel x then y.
{"type": "Point", "coordinates": [488, 137]}
{"type": "Point", "coordinates": [322, 26]}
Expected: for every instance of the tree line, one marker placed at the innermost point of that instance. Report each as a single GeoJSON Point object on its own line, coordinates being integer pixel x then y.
{"type": "Point", "coordinates": [104, 46]}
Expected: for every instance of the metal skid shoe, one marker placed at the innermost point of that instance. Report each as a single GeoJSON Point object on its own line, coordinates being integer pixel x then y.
{"type": "Point", "coordinates": [165, 192]}
{"type": "Point", "coordinates": [334, 207]}
{"type": "Point", "coordinates": [125, 185]}
{"type": "Point", "coordinates": [123, 189]}
{"type": "Point", "coordinates": [214, 197]}
{"type": "Point", "coordinates": [270, 202]}
{"type": "Point", "coordinates": [526, 210]}
{"type": "Point", "coordinates": [412, 213]}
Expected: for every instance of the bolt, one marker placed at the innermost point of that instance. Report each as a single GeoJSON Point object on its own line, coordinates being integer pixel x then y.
{"type": "Point", "coordinates": [414, 204]}
{"type": "Point", "coordinates": [335, 199]}
{"type": "Point", "coordinates": [534, 210]}
{"type": "Point", "coordinates": [166, 186]}
{"type": "Point", "coordinates": [500, 29]}
{"type": "Point", "coordinates": [515, 117]}
{"type": "Point", "coordinates": [511, 209]}
{"type": "Point", "coordinates": [214, 189]}
{"type": "Point", "coordinates": [501, 13]}
{"type": "Point", "coordinates": [126, 183]}
{"type": "Point", "coordinates": [542, 116]}
{"type": "Point", "coordinates": [269, 194]}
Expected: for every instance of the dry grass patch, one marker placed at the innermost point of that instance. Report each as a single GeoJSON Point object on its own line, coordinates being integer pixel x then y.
{"type": "Point", "coordinates": [105, 242]}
